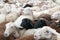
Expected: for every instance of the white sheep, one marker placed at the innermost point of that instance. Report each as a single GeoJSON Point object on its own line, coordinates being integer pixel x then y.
{"type": "Point", "coordinates": [28, 15]}
{"type": "Point", "coordinates": [45, 32]}
{"type": "Point", "coordinates": [1, 4]}
{"type": "Point", "coordinates": [10, 12]}
{"type": "Point", "coordinates": [14, 13]}
{"type": "Point", "coordinates": [56, 15]}
{"type": "Point", "coordinates": [11, 17]}
{"type": "Point", "coordinates": [47, 5]}
{"type": "Point", "coordinates": [57, 1]}
{"type": "Point", "coordinates": [2, 0]}
{"type": "Point", "coordinates": [11, 1]}
{"type": "Point", "coordinates": [11, 29]}
{"type": "Point", "coordinates": [3, 12]}
{"type": "Point", "coordinates": [48, 11]}
{"type": "Point", "coordinates": [6, 8]}
{"type": "Point", "coordinates": [18, 21]}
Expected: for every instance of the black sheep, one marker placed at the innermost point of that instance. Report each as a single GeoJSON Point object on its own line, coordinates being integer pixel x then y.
{"type": "Point", "coordinates": [28, 5]}
{"type": "Point", "coordinates": [40, 23]}
{"type": "Point", "coordinates": [27, 23]}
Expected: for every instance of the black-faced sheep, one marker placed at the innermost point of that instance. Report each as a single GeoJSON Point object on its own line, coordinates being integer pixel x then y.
{"type": "Point", "coordinates": [27, 24]}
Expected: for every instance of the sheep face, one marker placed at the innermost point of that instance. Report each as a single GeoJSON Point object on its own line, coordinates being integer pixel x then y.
{"type": "Point", "coordinates": [42, 33]}
{"type": "Point", "coordinates": [9, 29]}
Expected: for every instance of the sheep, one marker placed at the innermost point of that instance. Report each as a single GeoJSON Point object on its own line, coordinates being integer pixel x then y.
{"type": "Point", "coordinates": [28, 37]}
{"type": "Point", "coordinates": [10, 14]}
{"type": "Point", "coordinates": [56, 15]}
{"type": "Point", "coordinates": [43, 5]}
{"type": "Point", "coordinates": [47, 5]}
{"type": "Point", "coordinates": [11, 29]}
{"type": "Point", "coordinates": [31, 31]}
{"type": "Point", "coordinates": [48, 11]}
{"type": "Point", "coordinates": [31, 37]}
{"type": "Point", "coordinates": [40, 23]}
{"type": "Point", "coordinates": [45, 32]}
{"type": "Point", "coordinates": [1, 4]}
{"type": "Point", "coordinates": [27, 15]}
{"type": "Point", "coordinates": [34, 2]}
{"type": "Point", "coordinates": [10, 26]}
{"type": "Point", "coordinates": [22, 32]}
{"type": "Point", "coordinates": [5, 9]}
{"type": "Point", "coordinates": [18, 22]}
{"type": "Point", "coordinates": [11, 17]}
{"type": "Point", "coordinates": [2, 28]}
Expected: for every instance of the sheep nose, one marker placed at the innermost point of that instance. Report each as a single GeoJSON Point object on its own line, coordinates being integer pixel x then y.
{"type": "Point", "coordinates": [6, 35]}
